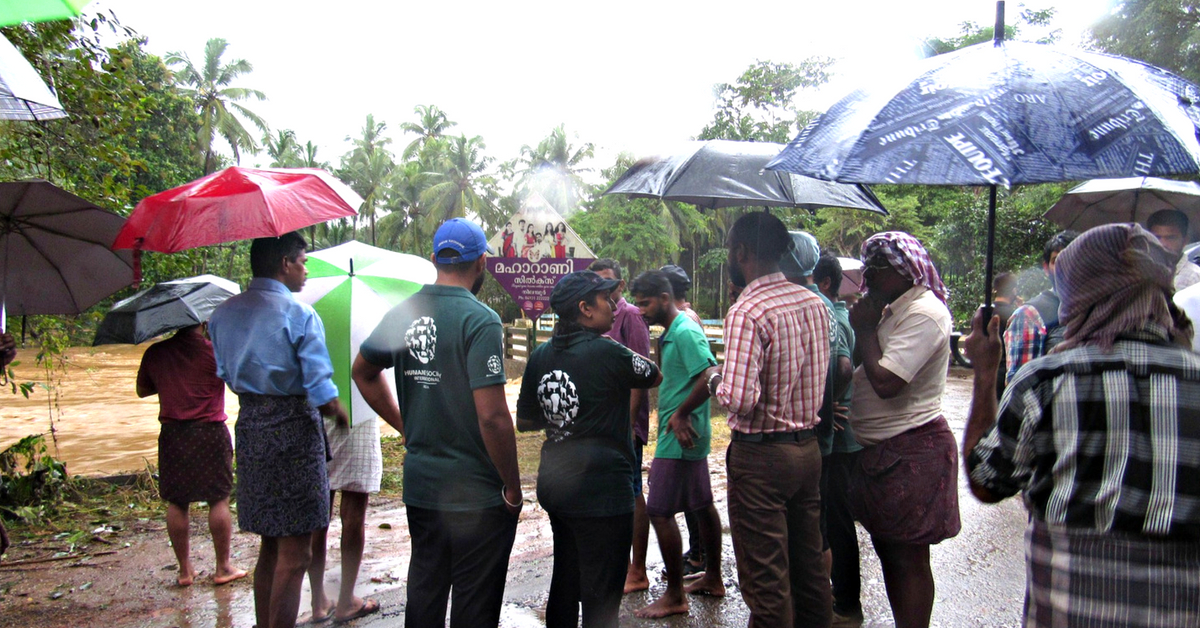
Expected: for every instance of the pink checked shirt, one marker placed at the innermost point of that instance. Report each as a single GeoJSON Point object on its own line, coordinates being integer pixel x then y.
{"type": "Point", "coordinates": [776, 357]}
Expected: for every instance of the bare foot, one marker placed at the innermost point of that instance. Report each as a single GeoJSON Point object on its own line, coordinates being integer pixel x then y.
{"type": "Point", "coordinates": [664, 606]}
{"type": "Point", "coordinates": [636, 582]}
{"type": "Point", "coordinates": [186, 579]}
{"type": "Point", "coordinates": [229, 575]}
{"type": "Point", "coordinates": [708, 584]}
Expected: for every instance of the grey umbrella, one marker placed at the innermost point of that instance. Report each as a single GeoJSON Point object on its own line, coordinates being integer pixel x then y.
{"type": "Point", "coordinates": [23, 94]}
{"type": "Point", "coordinates": [724, 173]}
{"type": "Point", "coordinates": [54, 255]}
{"type": "Point", "coordinates": [164, 307]}
{"type": "Point", "coordinates": [1103, 201]}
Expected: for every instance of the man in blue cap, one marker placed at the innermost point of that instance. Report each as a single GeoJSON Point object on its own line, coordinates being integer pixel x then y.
{"type": "Point", "coordinates": [462, 488]}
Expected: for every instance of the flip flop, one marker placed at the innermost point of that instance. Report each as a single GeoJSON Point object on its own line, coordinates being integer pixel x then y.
{"type": "Point", "coordinates": [313, 619]}
{"type": "Point", "coordinates": [369, 606]}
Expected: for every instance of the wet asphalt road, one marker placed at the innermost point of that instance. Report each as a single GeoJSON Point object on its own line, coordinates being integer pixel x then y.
{"type": "Point", "coordinates": [980, 574]}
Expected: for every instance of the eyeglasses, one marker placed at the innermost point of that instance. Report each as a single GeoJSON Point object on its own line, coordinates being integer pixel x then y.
{"type": "Point", "coordinates": [876, 264]}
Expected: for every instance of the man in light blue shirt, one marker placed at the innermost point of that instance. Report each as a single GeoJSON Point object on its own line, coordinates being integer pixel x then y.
{"type": "Point", "coordinates": [270, 350]}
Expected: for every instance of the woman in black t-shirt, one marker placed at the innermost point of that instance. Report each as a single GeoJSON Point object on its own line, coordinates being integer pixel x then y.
{"type": "Point", "coordinates": [576, 387]}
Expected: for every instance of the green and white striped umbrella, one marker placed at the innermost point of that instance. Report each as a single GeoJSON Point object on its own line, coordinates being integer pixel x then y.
{"type": "Point", "coordinates": [352, 286]}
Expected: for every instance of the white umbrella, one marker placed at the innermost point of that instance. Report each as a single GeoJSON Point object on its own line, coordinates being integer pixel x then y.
{"type": "Point", "coordinates": [352, 286]}
{"type": "Point", "coordinates": [1103, 201]}
{"type": "Point", "coordinates": [852, 277]}
{"type": "Point", "coordinates": [23, 94]}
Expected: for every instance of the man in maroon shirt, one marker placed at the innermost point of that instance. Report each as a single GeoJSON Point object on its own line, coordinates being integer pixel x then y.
{"type": "Point", "coordinates": [630, 329]}
{"type": "Point", "coordinates": [195, 453]}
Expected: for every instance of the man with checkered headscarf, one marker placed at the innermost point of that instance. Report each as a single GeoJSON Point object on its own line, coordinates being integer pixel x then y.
{"type": "Point", "coordinates": [1099, 437]}
{"type": "Point", "coordinates": [903, 488]}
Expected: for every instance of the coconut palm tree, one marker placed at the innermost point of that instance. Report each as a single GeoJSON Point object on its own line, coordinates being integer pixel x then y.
{"type": "Point", "coordinates": [431, 124]}
{"type": "Point", "coordinates": [553, 169]}
{"type": "Point", "coordinates": [217, 100]}
{"type": "Point", "coordinates": [458, 182]}
{"type": "Point", "coordinates": [282, 149]}
{"type": "Point", "coordinates": [308, 157]}
{"type": "Point", "coordinates": [368, 167]}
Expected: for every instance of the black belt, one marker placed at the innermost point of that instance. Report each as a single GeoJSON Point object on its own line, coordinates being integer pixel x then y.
{"type": "Point", "coordinates": [773, 437]}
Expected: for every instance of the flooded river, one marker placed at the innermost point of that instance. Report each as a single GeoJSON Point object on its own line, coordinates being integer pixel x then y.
{"type": "Point", "coordinates": [102, 426]}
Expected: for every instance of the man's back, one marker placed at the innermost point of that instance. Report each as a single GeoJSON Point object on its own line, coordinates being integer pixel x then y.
{"type": "Point", "coordinates": [443, 344]}
{"type": "Point", "coordinates": [183, 372]}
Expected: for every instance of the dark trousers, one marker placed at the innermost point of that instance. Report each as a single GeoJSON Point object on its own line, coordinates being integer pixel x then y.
{"type": "Point", "coordinates": [465, 551]}
{"type": "Point", "coordinates": [840, 532]}
{"type": "Point", "coordinates": [590, 555]}
{"type": "Point", "coordinates": [774, 492]}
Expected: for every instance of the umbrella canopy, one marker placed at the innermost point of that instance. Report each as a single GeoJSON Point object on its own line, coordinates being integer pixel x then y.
{"type": "Point", "coordinates": [724, 173]}
{"type": "Point", "coordinates": [1103, 201]}
{"type": "Point", "coordinates": [164, 307]}
{"type": "Point", "coordinates": [54, 251]}
{"type": "Point", "coordinates": [236, 204]}
{"type": "Point", "coordinates": [23, 93]}
{"type": "Point", "coordinates": [352, 286]}
{"type": "Point", "coordinates": [1005, 113]}
{"type": "Point", "coordinates": [18, 11]}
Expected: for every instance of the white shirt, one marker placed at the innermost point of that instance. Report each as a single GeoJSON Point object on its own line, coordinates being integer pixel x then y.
{"type": "Point", "coordinates": [914, 334]}
{"type": "Point", "coordinates": [1186, 274]}
{"type": "Point", "coordinates": [1188, 300]}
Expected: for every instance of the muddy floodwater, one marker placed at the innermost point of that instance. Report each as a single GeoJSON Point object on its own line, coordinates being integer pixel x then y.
{"type": "Point", "coordinates": [101, 426]}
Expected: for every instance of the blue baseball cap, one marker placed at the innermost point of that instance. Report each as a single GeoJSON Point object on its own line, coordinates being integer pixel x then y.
{"type": "Point", "coordinates": [463, 237]}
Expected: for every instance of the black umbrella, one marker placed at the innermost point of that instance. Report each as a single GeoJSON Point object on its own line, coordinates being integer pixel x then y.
{"type": "Point", "coordinates": [1005, 113]}
{"type": "Point", "coordinates": [164, 307]}
{"type": "Point", "coordinates": [54, 255]}
{"type": "Point", "coordinates": [724, 173]}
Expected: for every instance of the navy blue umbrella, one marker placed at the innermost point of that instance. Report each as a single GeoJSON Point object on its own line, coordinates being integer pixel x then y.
{"type": "Point", "coordinates": [1004, 113]}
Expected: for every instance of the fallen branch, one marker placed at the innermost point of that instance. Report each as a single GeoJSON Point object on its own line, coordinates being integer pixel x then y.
{"type": "Point", "coordinates": [36, 561]}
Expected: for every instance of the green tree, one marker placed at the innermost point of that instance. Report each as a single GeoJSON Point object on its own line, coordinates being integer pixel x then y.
{"type": "Point", "coordinates": [283, 149]}
{"type": "Point", "coordinates": [760, 104]}
{"type": "Point", "coordinates": [459, 184]}
{"type": "Point", "coordinates": [431, 124]}
{"type": "Point", "coordinates": [368, 167]}
{"type": "Point", "coordinates": [554, 170]}
{"type": "Point", "coordinates": [1165, 33]}
{"type": "Point", "coordinates": [218, 100]}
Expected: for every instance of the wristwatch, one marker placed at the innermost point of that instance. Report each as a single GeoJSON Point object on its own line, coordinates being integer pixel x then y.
{"type": "Point", "coordinates": [714, 380]}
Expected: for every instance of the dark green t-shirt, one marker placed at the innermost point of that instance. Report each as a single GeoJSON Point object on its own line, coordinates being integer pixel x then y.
{"type": "Point", "coordinates": [577, 386]}
{"type": "Point", "coordinates": [444, 344]}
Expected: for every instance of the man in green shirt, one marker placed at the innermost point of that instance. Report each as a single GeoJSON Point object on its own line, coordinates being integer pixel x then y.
{"type": "Point", "coordinates": [462, 488]}
{"type": "Point", "coordinates": [679, 479]}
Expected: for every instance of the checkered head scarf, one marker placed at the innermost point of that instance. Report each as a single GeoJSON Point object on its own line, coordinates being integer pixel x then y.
{"type": "Point", "coordinates": [1115, 279]}
{"type": "Point", "coordinates": [906, 254]}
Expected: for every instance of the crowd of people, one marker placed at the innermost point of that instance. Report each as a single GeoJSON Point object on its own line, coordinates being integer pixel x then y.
{"type": "Point", "coordinates": [1085, 401]}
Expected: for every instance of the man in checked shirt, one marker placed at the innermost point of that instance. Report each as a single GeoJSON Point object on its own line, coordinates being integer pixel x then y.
{"type": "Point", "coordinates": [772, 382]}
{"type": "Point", "coordinates": [1100, 437]}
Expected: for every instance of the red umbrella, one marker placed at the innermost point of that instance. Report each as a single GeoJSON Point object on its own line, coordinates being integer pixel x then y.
{"type": "Point", "coordinates": [236, 204]}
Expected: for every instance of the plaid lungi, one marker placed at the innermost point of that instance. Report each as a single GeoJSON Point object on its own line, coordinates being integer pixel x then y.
{"type": "Point", "coordinates": [1086, 579]}
{"type": "Point", "coordinates": [357, 463]}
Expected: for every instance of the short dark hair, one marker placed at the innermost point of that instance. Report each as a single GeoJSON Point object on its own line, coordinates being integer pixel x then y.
{"type": "Point", "coordinates": [606, 263]}
{"type": "Point", "coordinates": [454, 268]}
{"type": "Point", "coordinates": [1057, 243]}
{"type": "Point", "coordinates": [828, 266]}
{"type": "Point", "coordinates": [568, 317]}
{"type": "Point", "coordinates": [1170, 218]}
{"type": "Point", "coordinates": [651, 284]}
{"type": "Point", "coordinates": [764, 236]}
{"type": "Point", "coordinates": [1003, 283]}
{"type": "Point", "coordinates": [266, 253]}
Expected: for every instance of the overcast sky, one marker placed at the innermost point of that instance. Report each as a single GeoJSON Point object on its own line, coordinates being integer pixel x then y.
{"type": "Point", "coordinates": [626, 75]}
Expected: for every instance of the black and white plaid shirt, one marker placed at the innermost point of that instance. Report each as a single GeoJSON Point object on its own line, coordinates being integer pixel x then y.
{"type": "Point", "coordinates": [1102, 440]}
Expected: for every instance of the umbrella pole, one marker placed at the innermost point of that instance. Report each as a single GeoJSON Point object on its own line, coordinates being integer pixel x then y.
{"type": "Point", "coordinates": [987, 265]}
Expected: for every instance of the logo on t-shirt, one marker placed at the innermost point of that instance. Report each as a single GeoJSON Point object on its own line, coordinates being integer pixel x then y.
{"type": "Point", "coordinates": [421, 339]}
{"type": "Point", "coordinates": [494, 364]}
{"type": "Point", "coordinates": [640, 366]}
{"type": "Point", "coordinates": [560, 402]}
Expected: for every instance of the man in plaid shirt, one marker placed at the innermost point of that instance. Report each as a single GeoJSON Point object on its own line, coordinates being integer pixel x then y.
{"type": "Point", "coordinates": [1033, 329]}
{"type": "Point", "coordinates": [772, 382]}
{"type": "Point", "coordinates": [1100, 437]}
